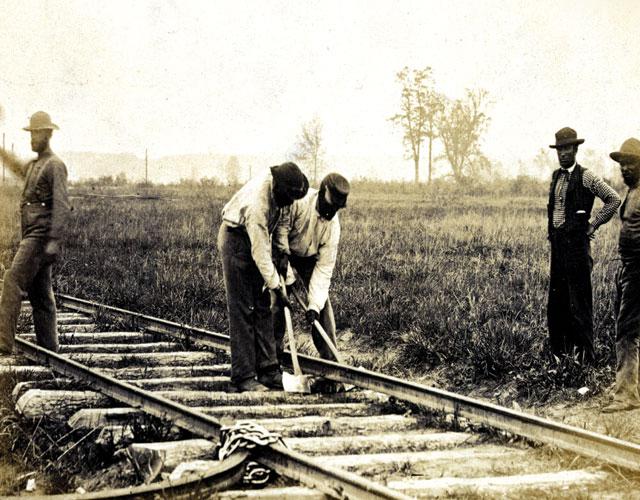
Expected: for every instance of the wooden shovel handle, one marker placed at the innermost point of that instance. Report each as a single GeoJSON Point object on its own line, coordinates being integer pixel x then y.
{"type": "Point", "coordinates": [288, 324]}
{"type": "Point", "coordinates": [318, 326]}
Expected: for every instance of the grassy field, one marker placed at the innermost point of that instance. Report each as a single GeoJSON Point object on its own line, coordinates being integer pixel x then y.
{"type": "Point", "coordinates": [445, 281]}
{"type": "Point", "coordinates": [431, 283]}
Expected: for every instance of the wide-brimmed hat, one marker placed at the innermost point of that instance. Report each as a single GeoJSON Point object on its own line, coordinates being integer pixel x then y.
{"type": "Point", "coordinates": [338, 186]}
{"type": "Point", "coordinates": [566, 137]}
{"type": "Point", "coordinates": [630, 150]}
{"type": "Point", "coordinates": [40, 121]}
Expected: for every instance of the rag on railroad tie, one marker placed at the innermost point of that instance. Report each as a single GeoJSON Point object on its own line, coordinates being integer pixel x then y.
{"type": "Point", "coordinates": [248, 435]}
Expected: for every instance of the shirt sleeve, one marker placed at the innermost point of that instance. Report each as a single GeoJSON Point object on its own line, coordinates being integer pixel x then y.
{"type": "Point", "coordinates": [323, 270]}
{"type": "Point", "coordinates": [60, 206]}
{"type": "Point", "coordinates": [281, 233]}
{"type": "Point", "coordinates": [606, 193]}
{"type": "Point", "coordinates": [17, 168]}
{"type": "Point", "coordinates": [257, 228]}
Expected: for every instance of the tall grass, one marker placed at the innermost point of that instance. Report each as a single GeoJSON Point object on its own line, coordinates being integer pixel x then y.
{"type": "Point", "coordinates": [447, 279]}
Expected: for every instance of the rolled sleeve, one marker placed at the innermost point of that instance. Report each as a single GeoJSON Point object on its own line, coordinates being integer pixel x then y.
{"type": "Point", "coordinates": [323, 271]}
{"type": "Point", "coordinates": [258, 230]}
{"type": "Point", "coordinates": [606, 193]}
{"type": "Point", "coordinates": [281, 233]}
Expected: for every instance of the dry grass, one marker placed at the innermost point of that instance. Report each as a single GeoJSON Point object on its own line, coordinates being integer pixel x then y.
{"type": "Point", "coordinates": [429, 278]}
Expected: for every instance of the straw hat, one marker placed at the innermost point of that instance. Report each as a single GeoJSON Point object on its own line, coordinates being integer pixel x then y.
{"type": "Point", "coordinates": [40, 121]}
{"type": "Point", "coordinates": [630, 150]}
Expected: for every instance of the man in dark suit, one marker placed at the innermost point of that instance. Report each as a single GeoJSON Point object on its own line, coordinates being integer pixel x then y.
{"type": "Point", "coordinates": [570, 226]}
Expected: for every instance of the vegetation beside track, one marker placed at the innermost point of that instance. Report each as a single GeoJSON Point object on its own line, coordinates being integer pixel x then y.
{"type": "Point", "coordinates": [432, 279]}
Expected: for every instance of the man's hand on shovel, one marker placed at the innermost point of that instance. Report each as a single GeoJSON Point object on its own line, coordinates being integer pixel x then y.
{"type": "Point", "coordinates": [281, 294]}
{"type": "Point", "coordinates": [311, 316]}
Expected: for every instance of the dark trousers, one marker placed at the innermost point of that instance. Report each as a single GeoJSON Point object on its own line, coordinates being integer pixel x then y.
{"type": "Point", "coordinates": [31, 274]}
{"type": "Point", "coordinates": [627, 332]}
{"type": "Point", "coordinates": [304, 266]}
{"type": "Point", "coordinates": [253, 348]}
{"type": "Point", "coordinates": [570, 308]}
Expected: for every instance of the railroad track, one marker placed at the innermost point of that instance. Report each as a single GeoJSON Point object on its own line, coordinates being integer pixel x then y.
{"type": "Point", "coordinates": [357, 444]}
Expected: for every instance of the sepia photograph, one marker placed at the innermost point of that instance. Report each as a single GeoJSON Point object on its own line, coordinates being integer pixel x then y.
{"type": "Point", "coordinates": [280, 249]}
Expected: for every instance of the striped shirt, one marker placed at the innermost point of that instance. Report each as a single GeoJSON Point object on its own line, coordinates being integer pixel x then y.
{"type": "Point", "coordinates": [594, 184]}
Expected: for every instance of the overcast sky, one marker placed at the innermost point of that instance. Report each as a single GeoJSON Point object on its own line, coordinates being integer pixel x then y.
{"type": "Point", "coordinates": [241, 76]}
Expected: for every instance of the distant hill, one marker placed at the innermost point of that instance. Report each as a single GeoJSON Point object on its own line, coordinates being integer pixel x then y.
{"type": "Point", "coordinates": [167, 169]}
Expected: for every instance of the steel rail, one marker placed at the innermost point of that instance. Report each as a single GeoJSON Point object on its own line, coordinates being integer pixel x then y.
{"type": "Point", "coordinates": [292, 464]}
{"type": "Point", "coordinates": [591, 444]}
{"type": "Point", "coordinates": [303, 469]}
{"type": "Point", "coordinates": [184, 332]}
{"type": "Point", "coordinates": [222, 476]}
{"type": "Point", "coordinates": [158, 406]}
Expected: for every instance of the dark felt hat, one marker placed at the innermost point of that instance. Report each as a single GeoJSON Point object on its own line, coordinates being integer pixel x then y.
{"type": "Point", "coordinates": [565, 137]}
{"type": "Point", "coordinates": [338, 187]}
{"type": "Point", "coordinates": [630, 150]}
{"type": "Point", "coordinates": [291, 178]}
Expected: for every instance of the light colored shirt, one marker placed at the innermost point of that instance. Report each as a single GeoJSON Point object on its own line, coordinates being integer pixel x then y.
{"type": "Point", "coordinates": [594, 184]}
{"type": "Point", "coordinates": [629, 243]}
{"type": "Point", "coordinates": [306, 234]}
{"type": "Point", "coordinates": [254, 208]}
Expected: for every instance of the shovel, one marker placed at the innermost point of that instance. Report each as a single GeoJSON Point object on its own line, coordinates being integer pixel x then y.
{"type": "Point", "coordinates": [298, 382]}
{"type": "Point", "coordinates": [318, 326]}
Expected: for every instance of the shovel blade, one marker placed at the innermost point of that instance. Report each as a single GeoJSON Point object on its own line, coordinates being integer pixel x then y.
{"type": "Point", "coordinates": [296, 383]}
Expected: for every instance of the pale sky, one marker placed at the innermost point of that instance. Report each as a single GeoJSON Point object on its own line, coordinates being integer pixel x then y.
{"type": "Point", "coordinates": [240, 77]}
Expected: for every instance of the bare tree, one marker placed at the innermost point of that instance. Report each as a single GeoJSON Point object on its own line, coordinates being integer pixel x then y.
{"type": "Point", "coordinates": [309, 148]}
{"type": "Point", "coordinates": [461, 126]}
{"type": "Point", "coordinates": [420, 108]}
{"type": "Point", "coordinates": [434, 109]}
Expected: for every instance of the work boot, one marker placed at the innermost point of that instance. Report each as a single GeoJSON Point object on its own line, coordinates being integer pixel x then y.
{"type": "Point", "coordinates": [248, 385]}
{"type": "Point", "coordinates": [272, 378]}
{"type": "Point", "coordinates": [617, 406]}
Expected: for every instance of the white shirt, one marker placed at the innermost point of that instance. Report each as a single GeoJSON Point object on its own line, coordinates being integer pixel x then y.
{"type": "Point", "coordinates": [305, 234]}
{"type": "Point", "coordinates": [254, 208]}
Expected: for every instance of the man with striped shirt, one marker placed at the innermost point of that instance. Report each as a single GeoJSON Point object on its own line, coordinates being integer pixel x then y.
{"type": "Point", "coordinates": [571, 195]}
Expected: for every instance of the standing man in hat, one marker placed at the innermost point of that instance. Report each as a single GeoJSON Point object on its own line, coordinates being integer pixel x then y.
{"type": "Point", "coordinates": [244, 243]}
{"type": "Point", "coordinates": [570, 227]}
{"type": "Point", "coordinates": [626, 395]}
{"type": "Point", "coordinates": [308, 241]}
{"type": "Point", "coordinates": [44, 208]}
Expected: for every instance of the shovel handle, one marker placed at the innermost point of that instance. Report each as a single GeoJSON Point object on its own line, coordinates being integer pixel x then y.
{"type": "Point", "coordinates": [322, 331]}
{"type": "Point", "coordinates": [292, 342]}
{"type": "Point", "coordinates": [288, 324]}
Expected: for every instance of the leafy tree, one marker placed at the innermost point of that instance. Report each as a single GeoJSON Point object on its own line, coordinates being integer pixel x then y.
{"type": "Point", "coordinates": [420, 110]}
{"type": "Point", "coordinates": [461, 126]}
{"type": "Point", "coordinates": [309, 148]}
